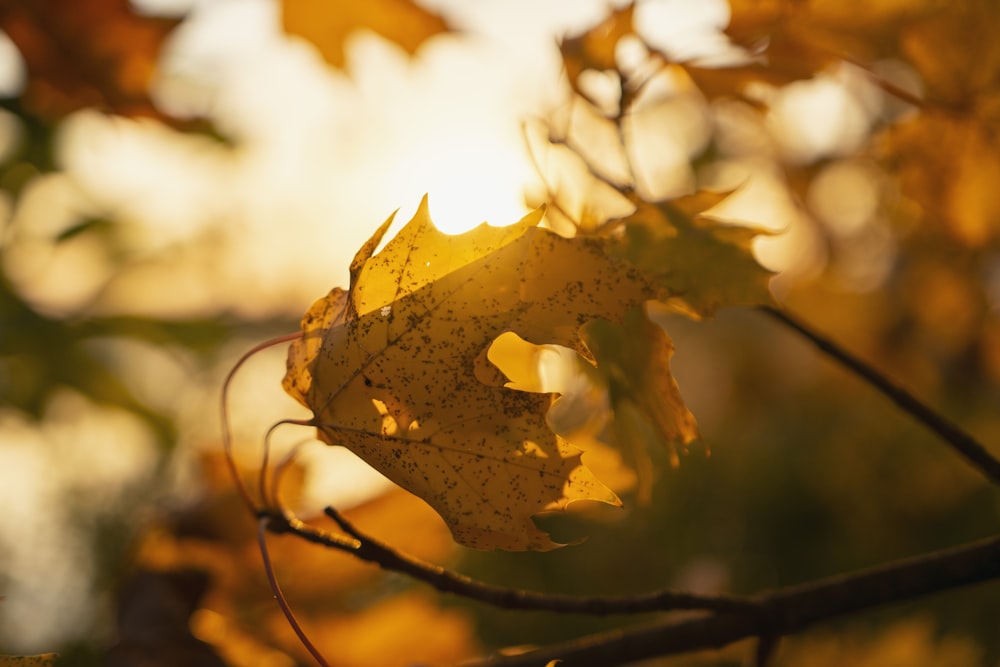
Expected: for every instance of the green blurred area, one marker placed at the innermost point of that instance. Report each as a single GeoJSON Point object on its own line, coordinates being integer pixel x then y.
{"type": "Point", "coordinates": [65, 369]}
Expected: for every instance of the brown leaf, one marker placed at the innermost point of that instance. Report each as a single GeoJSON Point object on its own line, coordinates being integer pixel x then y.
{"type": "Point", "coordinates": [957, 186]}
{"type": "Point", "coordinates": [948, 156]}
{"type": "Point", "coordinates": [956, 50]}
{"type": "Point", "coordinates": [85, 53]}
{"type": "Point", "coordinates": [328, 23]}
{"type": "Point", "coordinates": [790, 40]}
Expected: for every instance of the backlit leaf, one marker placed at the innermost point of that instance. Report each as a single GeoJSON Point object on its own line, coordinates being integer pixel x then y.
{"type": "Point", "coordinates": [396, 368]}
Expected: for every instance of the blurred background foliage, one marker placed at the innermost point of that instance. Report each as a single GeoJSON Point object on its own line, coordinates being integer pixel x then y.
{"type": "Point", "coordinates": [169, 198]}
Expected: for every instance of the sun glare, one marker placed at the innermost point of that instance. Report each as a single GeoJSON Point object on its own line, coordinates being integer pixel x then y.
{"type": "Point", "coordinates": [429, 134]}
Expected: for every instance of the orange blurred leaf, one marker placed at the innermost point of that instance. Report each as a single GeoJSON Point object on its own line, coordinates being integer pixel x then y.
{"type": "Point", "coordinates": [789, 40]}
{"type": "Point", "coordinates": [85, 53]}
{"type": "Point", "coordinates": [947, 157]}
{"type": "Point", "coordinates": [236, 617]}
{"type": "Point", "coordinates": [405, 629]}
{"type": "Point", "coordinates": [40, 660]}
{"type": "Point", "coordinates": [956, 187]}
{"type": "Point", "coordinates": [704, 264]}
{"type": "Point", "coordinates": [327, 24]}
{"type": "Point", "coordinates": [956, 50]}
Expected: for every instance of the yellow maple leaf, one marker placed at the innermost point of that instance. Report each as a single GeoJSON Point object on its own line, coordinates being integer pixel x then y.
{"type": "Point", "coordinates": [327, 24]}
{"type": "Point", "coordinates": [396, 368]}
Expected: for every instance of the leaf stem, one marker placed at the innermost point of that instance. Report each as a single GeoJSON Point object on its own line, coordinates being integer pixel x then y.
{"type": "Point", "coordinates": [263, 523]}
{"type": "Point", "coordinates": [780, 612]}
{"type": "Point", "coordinates": [227, 432]}
{"type": "Point", "coordinates": [367, 548]}
{"type": "Point", "coordinates": [963, 443]}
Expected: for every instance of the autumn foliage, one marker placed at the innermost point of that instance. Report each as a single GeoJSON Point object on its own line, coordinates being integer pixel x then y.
{"type": "Point", "coordinates": [71, 69]}
{"type": "Point", "coordinates": [837, 352]}
{"type": "Point", "coordinates": [398, 369]}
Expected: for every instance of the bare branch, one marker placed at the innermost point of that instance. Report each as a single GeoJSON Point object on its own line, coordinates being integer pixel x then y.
{"type": "Point", "coordinates": [447, 581]}
{"type": "Point", "coordinates": [272, 580]}
{"type": "Point", "coordinates": [963, 443]}
{"type": "Point", "coordinates": [781, 611]}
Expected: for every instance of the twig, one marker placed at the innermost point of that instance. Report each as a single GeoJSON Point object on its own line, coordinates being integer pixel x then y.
{"type": "Point", "coordinates": [262, 524]}
{"type": "Point", "coordinates": [227, 433]}
{"type": "Point", "coordinates": [447, 581]}
{"type": "Point", "coordinates": [781, 611]}
{"type": "Point", "coordinates": [963, 443]}
{"type": "Point", "coordinates": [766, 646]}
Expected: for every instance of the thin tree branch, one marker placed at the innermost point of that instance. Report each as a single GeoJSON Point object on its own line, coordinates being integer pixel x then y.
{"type": "Point", "coordinates": [272, 580]}
{"type": "Point", "coordinates": [766, 646]}
{"type": "Point", "coordinates": [963, 443]}
{"type": "Point", "coordinates": [227, 432]}
{"type": "Point", "coordinates": [782, 611]}
{"type": "Point", "coordinates": [447, 581]}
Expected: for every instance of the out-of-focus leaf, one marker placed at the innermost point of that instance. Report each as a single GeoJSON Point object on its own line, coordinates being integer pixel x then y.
{"type": "Point", "coordinates": [328, 24]}
{"type": "Point", "coordinates": [633, 362]}
{"type": "Point", "coordinates": [85, 53]}
{"type": "Point", "coordinates": [957, 53]}
{"type": "Point", "coordinates": [595, 48]}
{"type": "Point", "coordinates": [39, 354]}
{"type": "Point", "coordinates": [237, 617]}
{"type": "Point", "coordinates": [40, 660]}
{"type": "Point", "coordinates": [154, 621]}
{"type": "Point", "coordinates": [789, 41]}
{"type": "Point", "coordinates": [702, 264]}
{"type": "Point", "coordinates": [957, 185]}
{"type": "Point", "coordinates": [394, 632]}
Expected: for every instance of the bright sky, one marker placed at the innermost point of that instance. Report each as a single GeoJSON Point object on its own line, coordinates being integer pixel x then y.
{"type": "Point", "coordinates": [321, 159]}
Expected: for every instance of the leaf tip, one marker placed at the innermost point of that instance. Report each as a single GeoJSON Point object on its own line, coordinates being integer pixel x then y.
{"type": "Point", "coordinates": [533, 218]}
